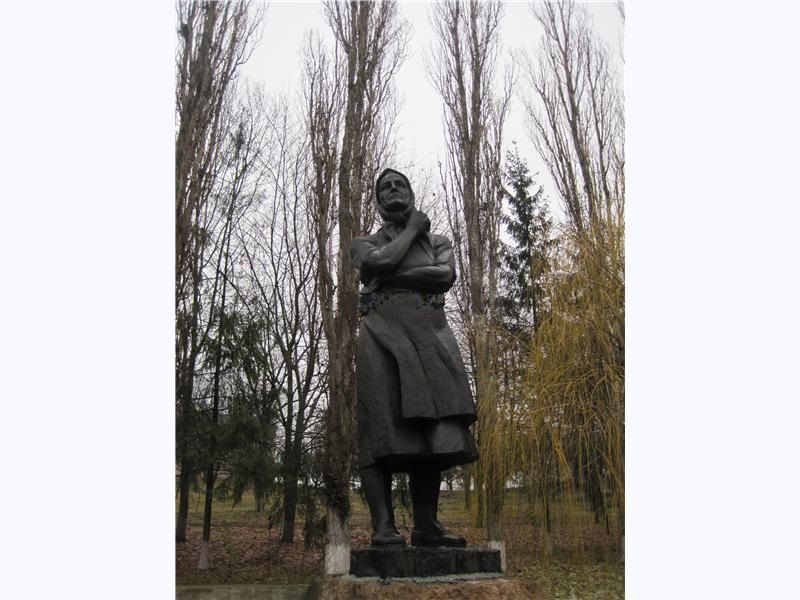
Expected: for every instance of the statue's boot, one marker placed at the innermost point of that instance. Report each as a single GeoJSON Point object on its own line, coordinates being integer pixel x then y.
{"type": "Point", "coordinates": [428, 531]}
{"type": "Point", "coordinates": [377, 485]}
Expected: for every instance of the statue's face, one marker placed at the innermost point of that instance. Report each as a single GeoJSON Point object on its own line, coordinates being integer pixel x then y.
{"type": "Point", "coordinates": [393, 193]}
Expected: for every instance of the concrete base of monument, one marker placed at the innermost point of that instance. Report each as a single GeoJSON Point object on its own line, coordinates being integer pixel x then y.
{"type": "Point", "coordinates": [422, 562]}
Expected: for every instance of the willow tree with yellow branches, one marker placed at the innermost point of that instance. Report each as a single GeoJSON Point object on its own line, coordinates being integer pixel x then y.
{"type": "Point", "coordinates": [573, 439]}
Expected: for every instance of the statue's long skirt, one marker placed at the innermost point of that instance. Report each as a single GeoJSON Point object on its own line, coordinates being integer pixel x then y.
{"type": "Point", "coordinates": [414, 404]}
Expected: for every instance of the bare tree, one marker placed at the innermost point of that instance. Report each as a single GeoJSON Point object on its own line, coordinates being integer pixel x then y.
{"type": "Point", "coordinates": [239, 184]}
{"type": "Point", "coordinates": [323, 96]}
{"type": "Point", "coordinates": [462, 70]}
{"type": "Point", "coordinates": [282, 263]}
{"type": "Point", "coordinates": [575, 114]}
{"type": "Point", "coordinates": [214, 40]}
{"type": "Point", "coordinates": [370, 44]}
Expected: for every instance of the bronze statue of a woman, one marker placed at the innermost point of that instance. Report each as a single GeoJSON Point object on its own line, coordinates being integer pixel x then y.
{"type": "Point", "coordinates": [414, 404]}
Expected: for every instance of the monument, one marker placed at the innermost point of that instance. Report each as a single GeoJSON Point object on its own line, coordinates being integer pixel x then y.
{"type": "Point", "coordinates": [414, 403]}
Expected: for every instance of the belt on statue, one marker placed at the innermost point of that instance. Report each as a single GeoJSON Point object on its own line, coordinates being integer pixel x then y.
{"type": "Point", "coordinates": [372, 299]}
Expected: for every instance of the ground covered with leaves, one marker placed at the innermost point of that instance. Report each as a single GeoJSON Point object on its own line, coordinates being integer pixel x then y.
{"type": "Point", "coordinates": [245, 548]}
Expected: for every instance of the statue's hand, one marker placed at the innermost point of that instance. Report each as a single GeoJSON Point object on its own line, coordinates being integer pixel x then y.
{"type": "Point", "coordinates": [419, 221]}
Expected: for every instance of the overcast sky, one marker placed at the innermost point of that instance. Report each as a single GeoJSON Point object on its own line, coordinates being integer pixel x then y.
{"type": "Point", "coordinates": [88, 154]}
{"type": "Point", "coordinates": [276, 65]}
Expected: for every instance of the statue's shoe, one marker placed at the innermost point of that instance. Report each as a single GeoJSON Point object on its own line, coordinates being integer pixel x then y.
{"type": "Point", "coordinates": [388, 538]}
{"type": "Point", "coordinates": [437, 538]}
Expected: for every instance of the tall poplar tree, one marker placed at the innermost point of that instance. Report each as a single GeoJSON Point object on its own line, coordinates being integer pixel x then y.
{"type": "Point", "coordinates": [348, 98]}
{"type": "Point", "coordinates": [462, 70]}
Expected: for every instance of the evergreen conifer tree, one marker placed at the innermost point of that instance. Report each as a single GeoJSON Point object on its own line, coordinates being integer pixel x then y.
{"type": "Point", "coordinates": [525, 260]}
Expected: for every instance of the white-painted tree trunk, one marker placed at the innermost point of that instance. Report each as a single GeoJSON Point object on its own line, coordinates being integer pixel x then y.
{"type": "Point", "coordinates": [499, 545]}
{"type": "Point", "coordinates": [337, 550]}
{"type": "Point", "coordinates": [202, 564]}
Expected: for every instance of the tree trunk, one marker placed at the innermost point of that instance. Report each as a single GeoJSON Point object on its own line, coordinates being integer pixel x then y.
{"type": "Point", "coordinates": [621, 529]}
{"type": "Point", "coordinates": [547, 540]}
{"type": "Point", "coordinates": [494, 526]}
{"type": "Point", "coordinates": [480, 516]}
{"type": "Point", "coordinates": [183, 501]}
{"type": "Point", "coordinates": [341, 337]}
{"type": "Point", "coordinates": [185, 376]}
{"type": "Point", "coordinates": [187, 349]}
{"type": "Point", "coordinates": [203, 561]}
{"type": "Point", "coordinates": [289, 508]}
{"type": "Point", "coordinates": [340, 440]}
{"type": "Point", "coordinates": [492, 471]}
{"type": "Point", "coordinates": [468, 501]}
{"type": "Point", "coordinates": [212, 459]}
{"type": "Point", "coordinates": [337, 550]}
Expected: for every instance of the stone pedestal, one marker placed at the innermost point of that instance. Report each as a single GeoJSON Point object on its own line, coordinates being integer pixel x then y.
{"type": "Point", "coordinates": [413, 561]}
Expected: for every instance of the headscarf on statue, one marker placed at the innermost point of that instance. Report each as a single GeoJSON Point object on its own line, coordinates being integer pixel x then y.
{"type": "Point", "coordinates": [399, 218]}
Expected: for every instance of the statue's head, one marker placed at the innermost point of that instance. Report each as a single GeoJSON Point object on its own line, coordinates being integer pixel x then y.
{"type": "Point", "coordinates": [394, 196]}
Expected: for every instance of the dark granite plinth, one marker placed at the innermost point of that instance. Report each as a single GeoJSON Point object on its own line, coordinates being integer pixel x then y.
{"type": "Point", "coordinates": [414, 561]}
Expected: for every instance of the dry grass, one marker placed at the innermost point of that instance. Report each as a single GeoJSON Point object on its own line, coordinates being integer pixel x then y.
{"type": "Point", "coordinates": [244, 549]}
{"type": "Point", "coordinates": [493, 589]}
